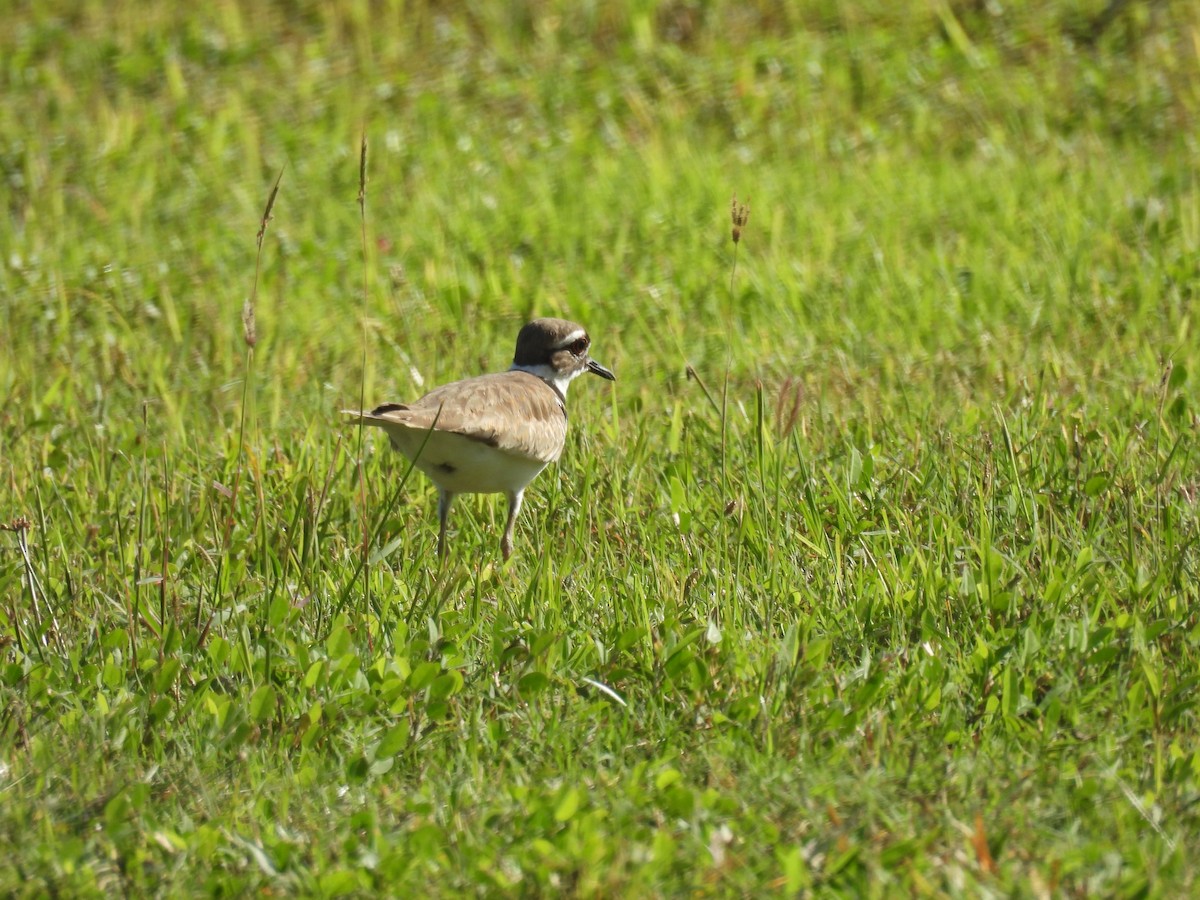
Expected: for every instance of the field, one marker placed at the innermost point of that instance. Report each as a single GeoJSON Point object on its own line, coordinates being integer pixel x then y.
{"type": "Point", "coordinates": [874, 573]}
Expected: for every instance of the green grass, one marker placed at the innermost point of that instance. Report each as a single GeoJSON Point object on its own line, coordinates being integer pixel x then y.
{"type": "Point", "coordinates": [897, 595]}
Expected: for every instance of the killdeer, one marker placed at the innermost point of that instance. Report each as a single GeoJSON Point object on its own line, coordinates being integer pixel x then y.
{"type": "Point", "coordinates": [494, 433]}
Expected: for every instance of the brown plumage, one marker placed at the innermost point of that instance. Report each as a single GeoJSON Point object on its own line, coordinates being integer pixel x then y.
{"type": "Point", "coordinates": [481, 409]}
{"type": "Point", "coordinates": [493, 433]}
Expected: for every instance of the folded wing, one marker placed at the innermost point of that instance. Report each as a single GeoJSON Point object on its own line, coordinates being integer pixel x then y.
{"type": "Point", "coordinates": [515, 412]}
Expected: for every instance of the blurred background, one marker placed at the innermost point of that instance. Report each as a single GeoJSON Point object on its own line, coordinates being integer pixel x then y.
{"type": "Point", "coordinates": [912, 170]}
{"type": "Point", "coordinates": [872, 569]}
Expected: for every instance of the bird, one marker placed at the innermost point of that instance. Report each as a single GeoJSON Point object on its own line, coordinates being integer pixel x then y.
{"type": "Point", "coordinates": [493, 434]}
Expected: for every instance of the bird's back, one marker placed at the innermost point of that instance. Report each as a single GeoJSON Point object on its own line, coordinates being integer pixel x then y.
{"type": "Point", "coordinates": [513, 412]}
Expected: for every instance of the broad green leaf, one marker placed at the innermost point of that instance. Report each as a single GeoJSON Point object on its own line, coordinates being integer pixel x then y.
{"type": "Point", "coordinates": [262, 703]}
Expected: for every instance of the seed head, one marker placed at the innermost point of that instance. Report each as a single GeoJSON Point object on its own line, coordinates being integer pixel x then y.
{"type": "Point", "coordinates": [249, 329]}
{"type": "Point", "coordinates": [739, 214]}
{"type": "Point", "coordinates": [266, 216]}
{"type": "Point", "coordinates": [362, 170]}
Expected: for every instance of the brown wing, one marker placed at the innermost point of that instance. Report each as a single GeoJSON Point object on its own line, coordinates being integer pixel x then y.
{"type": "Point", "coordinates": [513, 411]}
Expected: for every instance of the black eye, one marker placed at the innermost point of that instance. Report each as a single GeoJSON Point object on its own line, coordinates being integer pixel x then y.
{"type": "Point", "coordinates": [579, 347]}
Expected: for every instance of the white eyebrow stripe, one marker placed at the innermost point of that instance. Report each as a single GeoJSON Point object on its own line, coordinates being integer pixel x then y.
{"type": "Point", "coordinates": [572, 337]}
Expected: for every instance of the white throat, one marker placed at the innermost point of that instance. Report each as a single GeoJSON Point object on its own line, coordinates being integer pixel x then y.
{"type": "Point", "coordinates": [550, 375]}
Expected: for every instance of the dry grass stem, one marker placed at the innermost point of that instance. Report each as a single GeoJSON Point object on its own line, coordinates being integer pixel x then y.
{"type": "Point", "coordinates": [249, 321]}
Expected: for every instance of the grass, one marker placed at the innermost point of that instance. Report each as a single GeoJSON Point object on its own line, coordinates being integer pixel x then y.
{"type": "Point", "coordinates": [874, 573]}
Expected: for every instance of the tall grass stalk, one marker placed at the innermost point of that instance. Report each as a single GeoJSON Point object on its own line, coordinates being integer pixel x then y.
{"type": "Point", "coordinates": [365, 548]}
{"type": "Point", "coordinates": [250, 337]}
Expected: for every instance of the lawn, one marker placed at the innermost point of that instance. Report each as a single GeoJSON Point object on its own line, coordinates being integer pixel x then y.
{"type": "Point", "coordinates": [875, 573]}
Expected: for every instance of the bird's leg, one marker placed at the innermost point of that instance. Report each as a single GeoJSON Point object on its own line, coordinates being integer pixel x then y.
{"type": "Point", "coordinates": [445, 498]}
{"type": "Point", "coordinates": [514, 507]}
